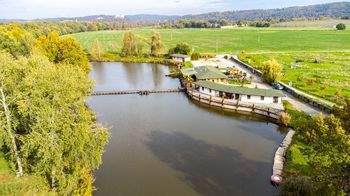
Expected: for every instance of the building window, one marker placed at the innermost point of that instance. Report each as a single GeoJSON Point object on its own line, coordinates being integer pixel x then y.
{"type": "Point", "coordinates": [209, 90]}
{"type": "Point", "coordinates": [248, 96]}
{"type": "Point", "coordinates": [275, 99]}
{"type": "Point", "coordinates": [202, 88]}
{"type": "Point", "coordinates": [262, 98]}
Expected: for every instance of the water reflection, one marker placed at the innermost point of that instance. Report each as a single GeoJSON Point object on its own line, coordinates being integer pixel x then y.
{"type": "Point", "coordinates": [210, 169]}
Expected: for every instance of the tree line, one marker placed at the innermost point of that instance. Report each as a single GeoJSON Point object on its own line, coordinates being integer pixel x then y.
{"type": "Point", "coordinates": [46, 129]}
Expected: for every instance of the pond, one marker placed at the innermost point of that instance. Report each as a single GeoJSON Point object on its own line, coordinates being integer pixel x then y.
{"type": "Point", "coordinates": [166, 144]}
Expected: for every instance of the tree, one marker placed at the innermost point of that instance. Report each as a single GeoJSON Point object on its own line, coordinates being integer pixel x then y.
{"type": "Point", "coordinates": [343, 113]}
{"type": "Point", "coordinates": [156, 44]}
{"type": "Point", "coordinates": [341, 26]}
{"type": "Point", "coordinates": [181, 48]}
{"type": "Point", "coordinates": [96, 51]}
{"type": "Point", "coordinates": [58, 136]}
{"type": "Point", "coordinates": [64, 50]}
{"type": "Point", "coordinates": [327, 148]}
{"type": "Point", "coordinates": [129, 44]}
{"type": "Point", "coordinates": [8, 127]}
{"type": "Point", "coordinates": [271, 71]}
{"type": "Point", "coordinates": [17, 41]}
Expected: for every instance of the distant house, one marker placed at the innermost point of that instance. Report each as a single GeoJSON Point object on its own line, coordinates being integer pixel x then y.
{"type": "Point", "coordinates": [180, 58]}
{"type": "Point", "coordinates": [205, 73]}
{"type": "Point", "coordinates": [243, 94]}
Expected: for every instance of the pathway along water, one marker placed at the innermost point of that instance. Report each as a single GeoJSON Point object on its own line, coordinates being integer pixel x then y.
{"type": "Point", "coordinates": [166, 144]}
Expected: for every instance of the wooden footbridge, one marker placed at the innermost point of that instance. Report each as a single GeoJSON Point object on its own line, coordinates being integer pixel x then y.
{"type": "Point", "coordinates": [139, 92]}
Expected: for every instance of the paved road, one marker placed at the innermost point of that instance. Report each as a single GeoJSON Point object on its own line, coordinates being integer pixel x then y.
{"type": "Point", "coordinates": [257, 81]}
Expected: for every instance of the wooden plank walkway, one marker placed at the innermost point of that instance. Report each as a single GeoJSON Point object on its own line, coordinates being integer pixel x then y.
{"type": "Point", "coordinates": [140, 92]}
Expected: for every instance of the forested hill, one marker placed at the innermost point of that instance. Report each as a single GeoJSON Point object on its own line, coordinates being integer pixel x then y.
{"type": "Point", "coordinates": [336, 10]}
{"type": "Point", "coordinates": [339, 9]}
{"type": "Point", "coordinates": [117, 18]}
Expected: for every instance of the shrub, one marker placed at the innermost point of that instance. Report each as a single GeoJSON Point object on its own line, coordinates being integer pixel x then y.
{"type": "Point", "coordinates": [310, 82]}
{"type": "Point", "coordinates": [299, 60]}
{"type": "Point", "coordinates": [195, 56]}
{"type": "Point", "coordinates": [285, 118]}
{"type": "Point", "coordinates": [323, 87]}
{"type": "Point", "coordinates": [341, 26]}
{"type": "Point", "coordinates": [300, 78]}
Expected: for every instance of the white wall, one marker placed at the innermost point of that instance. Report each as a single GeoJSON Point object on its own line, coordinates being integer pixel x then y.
{"type": "Point", "coordinates": [243, 98]}
{"type": "Point", "coordinates": [207, 92]}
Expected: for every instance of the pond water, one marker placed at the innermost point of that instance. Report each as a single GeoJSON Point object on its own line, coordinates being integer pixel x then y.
{"type": "Point", "coordinates": [166, 144]}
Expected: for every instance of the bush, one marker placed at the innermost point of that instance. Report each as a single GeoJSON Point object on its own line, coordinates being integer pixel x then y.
{"type": "Point", "coordinates": [195, 56]}
{"type": "Point", "coordinates": [341, 26]}
{"type": "Point", "coordinates": [285, 118]}
{"type": "Point", "coordinates": [297, 186]}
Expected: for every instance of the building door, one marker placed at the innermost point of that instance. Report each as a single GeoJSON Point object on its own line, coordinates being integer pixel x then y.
{"type": "Point", "coordinates": [275, 99]}
{"type": "Point", "coordinates": [221, 94]}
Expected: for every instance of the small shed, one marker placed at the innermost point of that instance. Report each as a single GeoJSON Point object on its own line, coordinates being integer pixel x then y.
{"type": "Point", "coordinates": [180, 58]}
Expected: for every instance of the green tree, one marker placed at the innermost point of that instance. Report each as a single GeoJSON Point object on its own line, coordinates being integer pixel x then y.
{"type": "Point", "coordinates": [271, 71]}
{"type": "Point", "coordinates": [328, 149]}
{"type": "Point", "coordinates": [156, 44]}
{"type": "Point", "coordinates": [341, 26]}
{"type": "Point", "coordinates": [181, 48]}
{"type": "Point", "coordinates": [129, 44]}
{"type": "Point", "coordinates": [64, 50]}
{"type": "Point", "coordinates": [57, 134]}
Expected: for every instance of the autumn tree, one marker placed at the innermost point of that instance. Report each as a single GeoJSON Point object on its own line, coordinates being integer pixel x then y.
{"type": "Point", "coordinates": [343, 113]}
{"type": "Point", "coordinates": [271, 71]}
{"type": "Point", "coordinates": [17, 41]}
{"type": "Point", "coordinates": [156, 44]}
{"type": "Point", "coordinates": [96, 51]}
{"type": "Point", "coordinates": [129, 44]}
{"type": "Point", "coordinates": [57, 134]}
{"type": "Point", "coordinates": [64, 50]}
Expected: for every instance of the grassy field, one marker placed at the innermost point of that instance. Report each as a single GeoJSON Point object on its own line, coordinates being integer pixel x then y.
{"type": "Point", "coordinates": [324, 75]}
{"type": "Point", "coordinates": [231, 40]}
{"type": "Point", "coordinates": [26, 185]}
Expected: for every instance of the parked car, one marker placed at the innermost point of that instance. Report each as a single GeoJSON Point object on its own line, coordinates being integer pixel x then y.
{"type": "Point", "coordinates": [277, 86]}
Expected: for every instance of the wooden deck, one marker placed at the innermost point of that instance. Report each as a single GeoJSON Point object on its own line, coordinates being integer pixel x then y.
{"type": "Point", "coordinates": [140, 92]}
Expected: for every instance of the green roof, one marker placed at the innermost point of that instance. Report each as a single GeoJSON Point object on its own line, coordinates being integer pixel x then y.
{"type": "Point", "coordinates": [240, 90]}
{"type": "Point", "coordinates": [207, 72]}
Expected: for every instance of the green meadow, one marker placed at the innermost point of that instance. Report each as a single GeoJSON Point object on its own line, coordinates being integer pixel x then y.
{"type": "Point", "coordinates": [230, 40]}
{"type": "Point", "coordinates": [324, 54]}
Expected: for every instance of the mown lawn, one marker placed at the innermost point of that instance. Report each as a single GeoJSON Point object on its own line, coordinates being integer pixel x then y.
{"type": "Point", "coordinates": [25, 185]}
{"type": "Point", "coordinates": [230, 40]}
{"type": "Point", "coordinates": [325, 75]}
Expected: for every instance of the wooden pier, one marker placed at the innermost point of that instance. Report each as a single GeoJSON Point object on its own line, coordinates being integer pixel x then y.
{"type": "Point", "coordinates": [139, 92]}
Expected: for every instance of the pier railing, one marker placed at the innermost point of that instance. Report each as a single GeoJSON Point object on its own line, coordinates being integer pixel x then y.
{"type": "Point", "coordinates": [140, 92]}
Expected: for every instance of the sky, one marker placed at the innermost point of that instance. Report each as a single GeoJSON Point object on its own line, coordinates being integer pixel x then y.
{"type": "Point", "coordinates": [33, 9]}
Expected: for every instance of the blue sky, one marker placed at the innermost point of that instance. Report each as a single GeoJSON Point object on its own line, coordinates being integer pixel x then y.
{"type": "Point", "coordinates": [31, 9]}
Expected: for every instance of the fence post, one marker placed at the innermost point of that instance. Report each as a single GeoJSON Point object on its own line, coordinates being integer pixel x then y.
{"type": "Point", "coordinates": [210, 100]}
